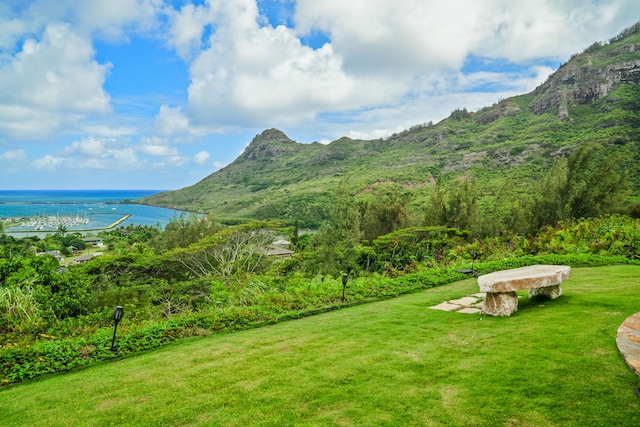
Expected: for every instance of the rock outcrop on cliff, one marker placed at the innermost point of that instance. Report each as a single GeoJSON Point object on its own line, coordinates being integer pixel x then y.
{"type": "Point", "coordinates": [589, 76]}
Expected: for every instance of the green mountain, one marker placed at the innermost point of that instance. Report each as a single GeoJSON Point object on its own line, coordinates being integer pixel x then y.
{"type": "Point", "coordinates": [594, 97]}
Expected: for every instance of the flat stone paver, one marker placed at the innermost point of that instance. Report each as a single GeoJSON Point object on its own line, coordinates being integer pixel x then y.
{"type": "Point", "coordinates": [628, 341]}
{"type": "Point", "coordinates": [465, 301]}
{"type": "Point", "coordinates": [469, 310]}
{"type": "Point", "coordinates": [445, 306]}
{"type": "Point", "coordinates": [467, 305]}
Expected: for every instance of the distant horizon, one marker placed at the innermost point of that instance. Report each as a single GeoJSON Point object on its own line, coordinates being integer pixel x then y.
{"type": "Point", "coordinates": [86, 189]}
{"type": "Point", "coordinates": [59, 195]}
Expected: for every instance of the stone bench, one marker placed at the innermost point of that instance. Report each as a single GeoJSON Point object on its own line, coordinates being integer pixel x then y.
{"type": "Point", "coordinates": [500, 287]}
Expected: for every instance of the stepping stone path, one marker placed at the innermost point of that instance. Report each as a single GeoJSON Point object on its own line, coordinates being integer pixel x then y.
{"type": "Point", "coordinates": [497, 296]}
{"type": "Point", "coordinates": [466, 305]}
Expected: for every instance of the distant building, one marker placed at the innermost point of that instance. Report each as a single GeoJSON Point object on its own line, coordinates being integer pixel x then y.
{"type": "Point", "coordinates": [93, 241]}
{"type": "Point", "coordinates": [277, 251]}
{"type": "Point", "coordinates": [55, 254]}
{"type": "Point", "coordinates": [84, 258]}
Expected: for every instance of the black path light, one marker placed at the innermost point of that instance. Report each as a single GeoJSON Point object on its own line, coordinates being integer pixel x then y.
{"type": "Point", "coordinates": [345, 277]}
{"type": "Point", "coordinates": [473, 271]}
{"type": "Point", "coordinates": [117, 317]}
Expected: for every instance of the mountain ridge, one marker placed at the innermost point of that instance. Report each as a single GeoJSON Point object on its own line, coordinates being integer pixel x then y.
{"type": "Point", "coordinates": [594, 97]}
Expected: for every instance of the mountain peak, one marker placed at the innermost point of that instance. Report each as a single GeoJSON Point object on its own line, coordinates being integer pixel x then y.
{"type": "Point", "coordinates": [272, 134]}
{"type": "Point", "coordinates": [270, 144]}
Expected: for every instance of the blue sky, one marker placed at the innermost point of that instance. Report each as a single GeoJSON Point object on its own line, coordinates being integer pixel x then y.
{"type": "Point", "coordinates": [158, 94]}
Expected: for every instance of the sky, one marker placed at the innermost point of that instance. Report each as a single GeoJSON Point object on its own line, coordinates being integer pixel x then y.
{"type": "Point", "coordinates": [158, 94]}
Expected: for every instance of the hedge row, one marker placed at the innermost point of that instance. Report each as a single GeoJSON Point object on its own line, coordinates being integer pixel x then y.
{"type": "Point", "coordinates": [49, 356]}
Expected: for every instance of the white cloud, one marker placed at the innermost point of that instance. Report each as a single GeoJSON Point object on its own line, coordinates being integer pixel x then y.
{"type": "Point", "coordinates": [201, 157]}
{"type": "Point", "coordinates": [156, 147]}
{"type": "Point", "coordinates": [219, 165]}
{"type": "Point", "coordinates": [13, 156]}
{"type": "Point", "coordinates": [375, 36]}
{"type": "Point", "coordinates": [253, 75]}
{"type": "Point", "coordinates": [90, 146]}
{"type": "Point", "coordinates": [12, 161]}
{"type": "Point", "coordinates": [171, 162]}
{"type": "Point", "coordinates": [187, 28]}
{"type": "Point", "coordinates": [419, 35]}
{"type": "Point", "coordinates": [115, 19]}
{"type": "Point", "coordinates": [48, 162]}
{"type": "Point", "coordinates": [99, 153]}
{"type": "Point", "coordinates": [50, 83]}
{"type": "Point", "coordinates": [171, 121]}
{"type": "Point", "coordinates": [375, 133]}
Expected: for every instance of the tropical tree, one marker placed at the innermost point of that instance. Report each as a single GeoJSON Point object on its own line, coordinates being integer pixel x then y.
{"type": "Point", "coordinates": [337, 240]}
{"type": "Point", "coordinates": [383, 211]}
{"type": "Point", "coordinates": [238, 249]}
{"type": "Point", "coordinates": [576, 187]}
{"type": "Point", "coordinates": [184, 230]}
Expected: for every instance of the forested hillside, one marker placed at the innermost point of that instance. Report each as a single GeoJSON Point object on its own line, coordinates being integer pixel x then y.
{"type": "Point", "coordinates": [503, 151]}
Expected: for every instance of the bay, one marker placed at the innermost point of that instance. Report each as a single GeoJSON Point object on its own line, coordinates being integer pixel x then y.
{"type": "Point", "coordinates": [82, 209]}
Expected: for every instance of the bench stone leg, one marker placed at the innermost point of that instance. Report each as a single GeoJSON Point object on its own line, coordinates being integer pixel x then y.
{"type": "Point", "coordinates": [551, 292]}
{"type": "Point", "coordinates": [500, 303]}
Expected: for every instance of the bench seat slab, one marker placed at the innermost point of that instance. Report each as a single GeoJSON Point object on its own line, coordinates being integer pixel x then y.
{"type": "Point", "coordinates": [531, 277]}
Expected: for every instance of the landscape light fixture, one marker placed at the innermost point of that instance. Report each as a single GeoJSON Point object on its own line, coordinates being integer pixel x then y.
{"type": "Point", "coordinates": [345, 277]}
{"type": "Point", "coordinates": [117, 317]}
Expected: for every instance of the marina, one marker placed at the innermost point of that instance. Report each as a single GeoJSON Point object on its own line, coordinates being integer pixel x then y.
{"type": "Point", "coordinates": [55, 222]}
{"type": "Point", "coordinates": [28, 213]}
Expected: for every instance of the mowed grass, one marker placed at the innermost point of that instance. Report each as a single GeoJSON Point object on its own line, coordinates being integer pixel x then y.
{"type": "Point", "coordinates": [396, 362]}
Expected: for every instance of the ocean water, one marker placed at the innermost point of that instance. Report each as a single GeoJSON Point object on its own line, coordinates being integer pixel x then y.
{"type": "Point", "coordinates": [78, 209]}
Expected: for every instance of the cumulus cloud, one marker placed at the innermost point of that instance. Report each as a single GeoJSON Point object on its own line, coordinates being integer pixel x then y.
{"type": "Point", "coordinates": [50, 83]}
{"type": "Point", "coordinates": [187, 28]}
{"type": "Point", "coordinates": [48, 163]}
{"type": "Point", "coordinates": [428, 34]}
{"type": "Point", "coordinates": [156, 147]}
{"type": "Point", "coordinates": [171, 121]}
{"type": "Point", "coordinates": [90, 146]}
{"type": "Point", "coordinates": [259, 75]}
{"type": "Point", "coordinates": [113, 20]}
{"type": "Point", "coordinates": [13, 156]}
{"type": "Point", "coordinates": [50, 80]}
{"type": "Point", "coordinates": [98, 153]}
{"type": "Point", "coordinates": [201, 157]}
{"type": "Point", "coordinates": [378, 35]}
{"type": "Point", "coordinates": [171, 162]}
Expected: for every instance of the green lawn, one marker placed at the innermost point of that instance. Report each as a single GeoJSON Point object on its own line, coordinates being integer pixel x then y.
{"type": "Point", "coordinates": [394, 362]}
